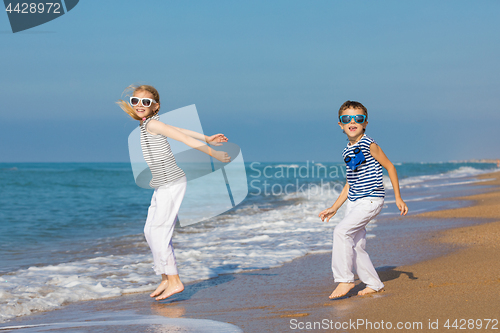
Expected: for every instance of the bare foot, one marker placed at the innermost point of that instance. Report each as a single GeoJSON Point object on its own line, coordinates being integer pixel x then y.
{"type": "Point", "coordinates": [161, 288]}
{"type": "Point", "coordinates": [341, 290]}
{"type": "Point", "coordinates": [171, 289]}
{"type": "Point", "coordinates": [366, 291]}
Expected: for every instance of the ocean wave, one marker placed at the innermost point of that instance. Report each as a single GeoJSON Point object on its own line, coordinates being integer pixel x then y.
{"type": "Point", "coordinates": [417, 181]}
{"type": "Point", "coordinates": [414, 199]}
{"type": "Point", "coordinates": [287, 166]}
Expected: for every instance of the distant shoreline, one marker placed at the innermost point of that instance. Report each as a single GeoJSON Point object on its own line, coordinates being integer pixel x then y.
{"type": "Point", "coordinates": [494, 161]}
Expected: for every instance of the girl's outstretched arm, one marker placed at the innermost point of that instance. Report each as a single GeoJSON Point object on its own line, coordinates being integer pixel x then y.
{"type": "Point", "coordinates": [214, 140]}
{"type": "Point", "coordinates": [379, 155]}
{"type": "Point", "coordinates": [156, 127]}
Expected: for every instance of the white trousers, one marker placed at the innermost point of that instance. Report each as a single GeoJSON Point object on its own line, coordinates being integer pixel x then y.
{"type": "Point", "coordinates": [160, 223]}
{"type": "Point", "coordinates": [349, 241]}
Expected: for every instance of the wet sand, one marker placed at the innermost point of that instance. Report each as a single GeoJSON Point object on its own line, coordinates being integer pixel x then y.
{"type": "Point", "coordinates": [462, 284]}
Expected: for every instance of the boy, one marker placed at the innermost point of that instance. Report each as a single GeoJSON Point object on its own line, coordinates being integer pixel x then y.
{"type": "Point", "coordinates": [364, 190]}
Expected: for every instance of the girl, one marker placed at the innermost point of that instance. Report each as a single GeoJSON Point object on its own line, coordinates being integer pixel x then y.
{"type": "Point", "coordinates": [168, 180]}
{"type": "Point", "coordinates": [364, 190]}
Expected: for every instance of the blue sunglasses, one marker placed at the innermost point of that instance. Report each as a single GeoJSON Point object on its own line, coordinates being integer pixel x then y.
{"type": "Point", "coordinates": [346, 119]}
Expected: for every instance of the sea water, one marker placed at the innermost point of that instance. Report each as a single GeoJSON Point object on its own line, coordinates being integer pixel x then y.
{"type": "Point", "coordinates": [73, 231]}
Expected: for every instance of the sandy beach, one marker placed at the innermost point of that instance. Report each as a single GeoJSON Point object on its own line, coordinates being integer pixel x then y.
{"type": "Point", "coordinates": [458, 279]}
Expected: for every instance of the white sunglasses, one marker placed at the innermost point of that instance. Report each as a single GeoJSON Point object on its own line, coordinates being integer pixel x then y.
{"type": "Point", "coordinates": [144, 101]}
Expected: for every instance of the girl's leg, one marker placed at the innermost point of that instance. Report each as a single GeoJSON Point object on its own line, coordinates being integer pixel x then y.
{"type": "Point", "coordinates": [149, 219]}
{"type": "Point", "coordinates": [173, 283]}
{"type": "Point", "coordinates": [149, 240]}
{"type": "Point", "coordinates": [159, 229]}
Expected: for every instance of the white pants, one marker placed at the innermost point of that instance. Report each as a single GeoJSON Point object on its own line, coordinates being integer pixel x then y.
{"type": "Point", "coordinates": [160, 223]}
{"type": "Point", "coordinates": [349, 240]}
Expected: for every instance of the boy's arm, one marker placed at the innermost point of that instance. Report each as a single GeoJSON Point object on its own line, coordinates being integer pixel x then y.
{"type": "Point", "coordinates": [379, 155]}
{"type": "Point", "coordinates": [330, 212]}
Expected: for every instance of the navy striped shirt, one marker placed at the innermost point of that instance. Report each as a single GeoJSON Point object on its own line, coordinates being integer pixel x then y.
{"type": "Point", "coordinates": [366, 178]}
{"type": "Point", "coordinates": [157, 153]}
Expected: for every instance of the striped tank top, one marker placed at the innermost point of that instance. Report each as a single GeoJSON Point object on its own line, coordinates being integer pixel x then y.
{"type": "Point", "coordinates": [364, 172]}
{"type": "Point", "coordinates": [158, 155]}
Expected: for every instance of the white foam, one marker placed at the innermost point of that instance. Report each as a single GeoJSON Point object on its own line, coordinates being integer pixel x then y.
{"type": "Point", "coordinates": [458, 183]}
{"type": "Point", "coordinates": [287, 166]}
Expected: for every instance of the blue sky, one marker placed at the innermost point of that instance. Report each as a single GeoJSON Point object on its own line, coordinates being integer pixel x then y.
{"type": "Point", "coordinates": [270, 75]}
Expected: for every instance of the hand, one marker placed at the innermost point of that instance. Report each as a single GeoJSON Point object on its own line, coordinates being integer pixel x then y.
{"type": "Point", "coordinates": [215, 140]}
{"type": "Point", "coordinates": [221, 156]}
{"type": "Point", "coordinates": [327, 214]}
{"type": "Point", "coordinates": [402, 206]}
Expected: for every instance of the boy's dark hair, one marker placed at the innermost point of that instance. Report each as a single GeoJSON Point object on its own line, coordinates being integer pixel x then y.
{"type": "Point", "coordinates": [353, 105]}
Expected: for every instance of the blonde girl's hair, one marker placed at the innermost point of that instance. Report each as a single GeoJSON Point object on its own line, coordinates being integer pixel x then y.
{"type": "Point", "coordinates": [130, 91]}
